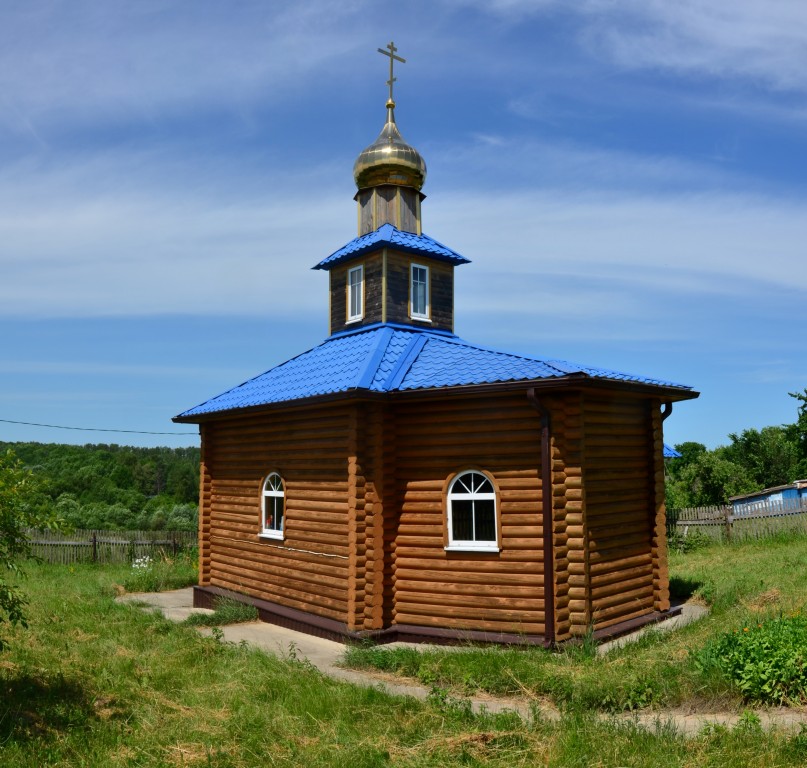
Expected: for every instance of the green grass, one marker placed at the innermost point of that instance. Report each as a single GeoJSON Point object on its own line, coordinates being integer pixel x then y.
{"type": "Point", "coordinates": [94, 683]}
{"type": "Point", "coordinates": [747, 582]}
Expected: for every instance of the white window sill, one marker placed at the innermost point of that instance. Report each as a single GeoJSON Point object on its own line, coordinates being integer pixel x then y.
{"type": "Point", "coordinates": [276, 535]}
{"type": "Point", "coordinates": [421, 319]}
{"type": "Point", "coordinates": [470, 547]}
{"type": "Point", "coordinates": [354, 320]}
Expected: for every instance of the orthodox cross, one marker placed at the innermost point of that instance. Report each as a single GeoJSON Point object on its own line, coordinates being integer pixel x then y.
{"type": "Point", "coordinates": [391, 49]}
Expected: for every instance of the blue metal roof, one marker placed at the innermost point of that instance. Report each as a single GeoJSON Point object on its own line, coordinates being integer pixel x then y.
{"type": "Point", "coordinates": [670, 452]}
{"type": "Point", "coordinates": [390, 358]}
{"type": "Point", "coordinates": [388, 236]}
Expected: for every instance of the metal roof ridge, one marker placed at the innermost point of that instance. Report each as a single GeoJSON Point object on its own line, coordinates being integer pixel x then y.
{"type": "Point", "coordinates": [567, 368]}
{"type": "Point", "coordinates": [395, 327]}
{"type": "Point", "coordinates": [610, 373]}
{"type": "Point", "coordinates": [405, 361]}
{"type": "Point", "coordinates": [463, 342]}
{"type": "Point", "coordinates": [377, 236]}
{"type": "Point", "coordinates": [442, 245]}
{"type": "Point", "coordinates": [374, 359]}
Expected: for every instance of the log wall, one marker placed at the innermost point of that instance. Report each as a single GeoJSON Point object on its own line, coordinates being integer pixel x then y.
{"type": "Point", "coordinates": [377, 452]}
{"type": "Point", "coordinates": [388, 270]}
{"type": "Point", "coordinates": [205, 494]}
{"type": "Point", "coordinates": [501, 592]}
{"type": "Point", "coordinates": [366, 521]}
{"type": "Point", "coordinates": [621, 489]}
{"type": "Point", "coordinates": [309, 569]}
{"type": "Point", "coordinates": [572, 589]}
{"type": "Point", "coordinates": [441, 290]}
{"type": "Point", "coordinates": [373, 294]}
{"type": "Point", "coordinates": [661, 575]}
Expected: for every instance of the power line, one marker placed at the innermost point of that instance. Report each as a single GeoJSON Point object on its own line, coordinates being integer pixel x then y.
{"type": "Point", "coordinates": [93, 429]}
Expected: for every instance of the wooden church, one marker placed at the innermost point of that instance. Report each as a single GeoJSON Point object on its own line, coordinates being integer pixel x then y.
{"type": "Point", "coordinates": [398, 482]}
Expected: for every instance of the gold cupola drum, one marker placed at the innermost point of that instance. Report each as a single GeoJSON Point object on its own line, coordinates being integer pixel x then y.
{"type": "Point", "coordinates": [389, 174]}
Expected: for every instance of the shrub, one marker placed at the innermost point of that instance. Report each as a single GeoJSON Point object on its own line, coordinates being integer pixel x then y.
{"type": "Point", "coordinates": [19, 494]}
{"type": "Point", "coordinates": [767, 661]}
{"type": "Point", "coordinates": [691, 541]}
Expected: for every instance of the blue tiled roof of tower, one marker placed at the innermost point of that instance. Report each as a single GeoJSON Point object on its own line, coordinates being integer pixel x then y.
{"type": "Point", "coordinates": [388, 236]}
{"type": "Point", "coordinates": [389, 358]}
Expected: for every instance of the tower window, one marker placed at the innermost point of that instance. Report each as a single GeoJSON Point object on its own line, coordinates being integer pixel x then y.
{"type": "Point", "coordinates": [355, 293]}
{"type": "Point", "coordinates": [419, 292]}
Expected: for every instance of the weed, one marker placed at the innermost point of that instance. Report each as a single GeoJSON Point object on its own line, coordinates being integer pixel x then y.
{"type": "Point", "coordinates": [767, 661]}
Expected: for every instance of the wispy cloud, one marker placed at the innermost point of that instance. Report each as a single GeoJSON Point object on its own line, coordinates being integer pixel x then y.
{"type": "Point", "coordinates": [114, 59]}
{"type": "Point", "coordinates": [757, 39]}
{"type": "Point", "coordinates": [77, 242]}
{"type": "Point", "coordinates": [760, 40]}
{"type": "Point", "coordinates": [712, 235]}
{"type": "Point", "coordinates": [120, 234]}
{"type": "Point", "coordinates": [507, 160]}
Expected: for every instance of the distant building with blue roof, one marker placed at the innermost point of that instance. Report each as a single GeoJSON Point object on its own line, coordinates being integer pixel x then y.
{"type": "Point", "coordinates": [398, 481]}
{"type": "Point", "coordinates": [782, 499]}
{"type": "Point", "coordinates": [671, 453]}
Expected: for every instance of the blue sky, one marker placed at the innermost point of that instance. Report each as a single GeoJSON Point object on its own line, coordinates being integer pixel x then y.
{"type": "Point", "coordinates": [628, 177]}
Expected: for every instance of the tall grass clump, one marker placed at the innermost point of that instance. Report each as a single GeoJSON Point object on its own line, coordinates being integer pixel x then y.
{"type": "Point", "coordinates": [160, 573]}
{"type": "Point", "coordinates": [225, 611]}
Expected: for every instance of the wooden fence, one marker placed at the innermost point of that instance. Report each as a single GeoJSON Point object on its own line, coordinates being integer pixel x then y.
{"type": "Point", "coordinates": [83, 546]}
{"type": "Point", "coordinates": [723, 523]}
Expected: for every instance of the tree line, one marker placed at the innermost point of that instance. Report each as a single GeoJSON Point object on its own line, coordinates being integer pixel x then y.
{"type": "Point", "coordinates": [127, 488]}
{"type": "Point", "coordinates": [114, 487]}
{"type": "Point", "coordinates": [752, 460]}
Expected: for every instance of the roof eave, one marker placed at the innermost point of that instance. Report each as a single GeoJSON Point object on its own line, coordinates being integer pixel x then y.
{"type": "Point", "coordinates": [452, 260]}
{"type": "Point", "coordinates": [349, 394]}
{"type": "Point", "coordinates": [575, 381]}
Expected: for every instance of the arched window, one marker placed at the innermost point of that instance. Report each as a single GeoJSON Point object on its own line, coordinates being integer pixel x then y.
{"type": "Point", "coordinates": [472, 513]}
{"type": "Point", "coordinates": [273, 506]}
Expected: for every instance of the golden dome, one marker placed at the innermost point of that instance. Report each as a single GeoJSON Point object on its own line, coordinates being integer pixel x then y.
{"type": "Point", "coordinates": [389, 159]}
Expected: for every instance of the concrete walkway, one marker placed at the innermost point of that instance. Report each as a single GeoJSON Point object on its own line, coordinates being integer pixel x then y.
{"type": "Point", "coordinates": [326, 655]}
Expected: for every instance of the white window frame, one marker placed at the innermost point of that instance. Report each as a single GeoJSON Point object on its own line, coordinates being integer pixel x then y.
{"type": "Point", "coordinates": [355, 289]}
{"type": "Point", "coordinates": [273, 488]}
{"type": "Point", "coordinates": [454, 494]}
{"type": "Point", "coordinates": [419, 315]}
